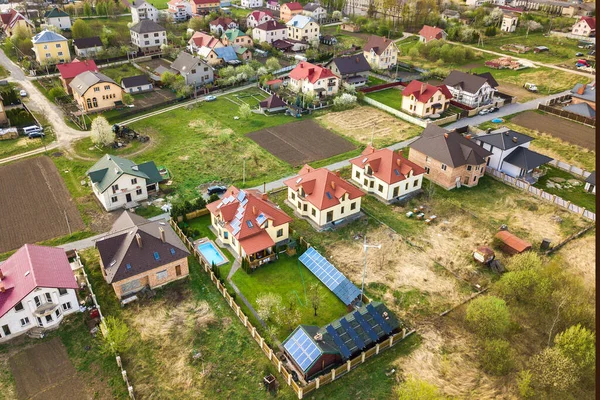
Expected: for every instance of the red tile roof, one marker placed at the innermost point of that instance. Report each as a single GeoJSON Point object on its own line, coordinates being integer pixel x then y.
{"type": "Point", "coordinates": [246, 213]}
{"type": "Point", "coordinates": [318, 183]}
{"type": "Point", "coordinates": [221, 21]}
{"type": "Point", "coordinates": [591, 21]}
{"type": "Point", "coordinates": [72, 69]}
{"type": "Point", "coordinates": [424, 91]}
{"type": "Point", "coordinates": [431, 32]}
{"type": "Point", "coordinates": [33, 266]}
{"type": "Point", "coordinates": [259, 14]}
{"type": "Point", "coordinates": [294, 6]}
{"type": "Point", "coordinates": [313, 73]}
{"type": "Point", "coordinates": [387, 165]}
{"type": "Point", "coordinates": [202, 39]}
{"type": "Point", "coordinates": [205, 1]}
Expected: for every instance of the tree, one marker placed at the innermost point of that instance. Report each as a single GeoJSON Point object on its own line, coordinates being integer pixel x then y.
{"type": "Point", "coordinates": [87, 9]}
{"type": "Point", "coordinates": [127, 99]}
{"type": "Point", "coordinates": [579, 344]}
{"type": "Point", "coordinates": [524, 384]}
{"type": "Point", "coordinates": [168, 78]}
{"type": "Point", "coordinates": [344, 101]}
{"type": "Point", "coordinates": [288, 315]}
{"type": "Point", "coordinates": [116, 339]}
{"type": "Point", "coordinates": [497, 357]}
{"type": "Point", "coordinates": [336, 15]}
{"type": "Point", "coordinates": [551, 370]}
{"type": "Point", "coordinates": [488, 316]}
{"type": "Point", "coordinates": [267, 306]}
{"type": "Point", "coordinates": [273, 64]}
{"type": "Point", "coordinates": [56, 91]}
{"type": "Point", "coordinates": [245, 111]}
{"type": "Point", "coordinates": [101, 132]}
{"type": "Point", "coordinates": [413, 388]}
{"type": "Point", "coordinates": [196, 23]}
{"type": "Point", "coordinates": [533, 26]}
{"type": "Point", "coordinates": [80, 29]}
{"type": "Point", "coordinates": [315, 296]}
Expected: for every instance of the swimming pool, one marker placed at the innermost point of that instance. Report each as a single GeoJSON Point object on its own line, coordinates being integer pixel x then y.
{"type": "Point", "coordinates": [210, 252]}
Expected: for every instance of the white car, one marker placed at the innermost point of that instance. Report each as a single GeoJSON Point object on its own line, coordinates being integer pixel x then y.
{"type": "Point", "coordinates": [23, 93]}
{"type": "Point", "coordinates": [210, 98]}
{"type": "Point", "coordinates": [484, 112]}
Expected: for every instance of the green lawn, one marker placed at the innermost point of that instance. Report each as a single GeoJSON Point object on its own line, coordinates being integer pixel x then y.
{"type": "Point", "coordinates": [575, 194]}
{"type": "Point", "coordinates": [201, 224]}
{"type": "Point", "coordinates": [159, 4]}
{"type": "Point", "coordinates": [373, 81]}
{"type": "Point", "coordinates": [390, 97]}
{"type": "Point", "coordinates": [119, 72]}
{"type": "Point", "coordinates": [290, 279]}
{"type": "Point", "coordinates": [3, 72]}
{"type": "Point", "coordinates": [84, 147]}
{"type": "Point", "coordinates": [22, 144]}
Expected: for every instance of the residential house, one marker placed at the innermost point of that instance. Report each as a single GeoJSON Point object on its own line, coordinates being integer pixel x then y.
{"type": "Point", "coordinates": [303, 28]}
{"type": "Point", "coordinates": [287, 11]}
{"type": "Point", "coordinates": [348, 27]}
{"type": "Point", "coordinates": [201, 40]}
{"type": "Point", "coordinates": [87, 47]}
{"type": "Point", "coordinates": [509, 22]}
{"type": "Point", "coordinates": [359, 7]}
{"type": "Point", "coordinates": [470, 89]}
{"type": "Point", "coordinates": [449, 159]}
{"type": "Point", "coordinates": [57, 18]}
{"type": "Point", "coordinates": [141, 10]}
{"type": "Point", "coordinates": [235, 37]}
{"type": "Point", "coordinates": [137, 253]}
{"type": "Point", "coordinates": [273, 5]}
{"type": "Point", "coordinates": [429, 33]}
{"type": "Point", "coordinates": [195, 71]}
{"type": "Point", "coordinates": [329, 40]}
{"type": "Point", "coordinates": [590, 183]}
{"type": "Point", "coordinates": [354, 70]}
{"type": "Point", "coordinates": [380, 52]}
{"type": "Point", "coordinates": [274, 84]}
{"type": "Point", "coordinates": [423, 100]}
{"type": "Point", "coordinates": [94, 91]}
{"type": "Point", "coordinates": [137, 84]}
{"type": "Point", "coordinates": [37, 290]}
{"type": "Point", "coordinates": [584, 93]}
{"type": "Point", "coordinates": [221, 24]}
{"type": "Point", "coordinates": [314, 80]}
{"type": "Point", "coordinates": [121, 183]}
{"type": "Point", "coordinates": [386, 174]}
{"type": "Point", "coordinates": [511, 154]}
{"type": "Point", "coordinates": [252, 3]}
{"type": "Point", "coordinates": [69, 71]}
{"type": "Point", "coordinates": [273, 104]}
{"type": "Point", "coordinates": [224, 55]}
{"type": "Point", "coordinates": [269, 32]}
{"type": "Point", "coordinates": [12, 20]}
{"type": "Point", "coordinates": [450, 14]}
{"type": "Point", "coordinates": [290, 45]}
{"type": "Point", "coordinates": [586, 26]}
{"type": "Point", "coordinates": [50, 48]}
{"type": "Point", "coordinates": [148, 36]}
{"type": "Point", "coordinates": [243, 53]}
{"type": "Point", "coordinates": [315, 11]}
{"type": "Point", "coordinates": [256, 18]}
{"type": "Point", "coordinates": [323, 197]}
{"type": "Point", "coordinates": [249, 224]}
{"type": "Point", "coordinates": [179, 10]}
{"type": "Point", "coordinates": [205, 7]}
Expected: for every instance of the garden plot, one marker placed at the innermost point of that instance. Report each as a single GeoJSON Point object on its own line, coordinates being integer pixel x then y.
{"type": "Point", "coordinates": [361, 122]}
{"type": "Point", "coordinates": [569, 131]}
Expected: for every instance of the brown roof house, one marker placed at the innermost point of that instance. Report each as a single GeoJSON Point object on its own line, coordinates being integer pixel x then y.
{"type": "Point", "coordinates": [381, 52]}
{"type": "Point", "coordinates": [449, 159]}
{"type": "Point", "coordinates": [137, 253]}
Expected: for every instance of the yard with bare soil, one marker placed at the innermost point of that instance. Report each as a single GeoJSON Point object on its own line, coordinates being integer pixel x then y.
{"type": "Point", "coordinates": [561, 128]}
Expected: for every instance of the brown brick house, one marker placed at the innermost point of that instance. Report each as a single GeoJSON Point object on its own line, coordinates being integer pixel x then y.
{"type": "Point", "coordinates": [138, 253]}
{"type": "Point", "coordinates": [449, 159]}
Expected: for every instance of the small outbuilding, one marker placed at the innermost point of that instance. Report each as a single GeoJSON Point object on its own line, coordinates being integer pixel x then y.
{"type": "Point", "coordinates": [136, 84]}
{"type": "Point", "coordinates": [590, 183]}
{"type": "Point", "coordinates": [273, 104]}
{"type": "Point", "coordinates": [511, 243]}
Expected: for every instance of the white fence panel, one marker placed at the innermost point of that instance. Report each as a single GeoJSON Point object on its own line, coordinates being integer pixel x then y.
{"type": "Point", "coordinates": [589, 215]}
{"type": "Point", "coordinates": [521, 184]}
{"type": "Point", "coordinates": [534, 190]}
{"type": "Point", "coordinates": [395, 112]}
{"type": "Point", "coordinates": [546, 196]}
{"type": "Point", "coordinates": [576, 171]}
{"type": "Point", "coordinates": [575, 208]}
{"type": "Point", "coordinates": [560, 201]}
{"type": "Point", "coordinates": [563, 165]}
{"type": "Point", "coordinates": [586, 174]}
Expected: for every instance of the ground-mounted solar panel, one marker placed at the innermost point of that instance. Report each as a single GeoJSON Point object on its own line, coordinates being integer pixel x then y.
{"type": "Point", "coordinates": [302, 349]}
{"type": "Point", "coordinates": [339, 342]}
{"type": "Point", "coordinates": [357, 340]}
{"type": "Point", "coordinates": [365, 325]}
{"type": "Point", "coordinates": [330, 276]}
{"type": "Point", "coordinates": [384, 325]}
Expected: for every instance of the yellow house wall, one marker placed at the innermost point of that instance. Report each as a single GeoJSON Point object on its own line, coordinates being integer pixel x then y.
{"type": "Point", "coordinates": [320, 216]}
{"type": "Point", "coordinates": [41, 51]}
{"type": "Point", "coordinates": [103, 103]}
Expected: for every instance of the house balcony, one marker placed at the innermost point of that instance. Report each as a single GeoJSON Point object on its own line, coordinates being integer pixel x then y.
{"type": "Point", "coordinates": [45, 309]}
{"type": "Point", "coordinates": [262, 257]}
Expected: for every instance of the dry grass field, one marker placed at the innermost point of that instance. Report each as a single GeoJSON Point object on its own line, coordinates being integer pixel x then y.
{"type": "Point", "coordinates": [36, 204]}
{"type": "Point", "coordinates": [579, 257]}
{"type": "Point", "coordinates": [361, 122]}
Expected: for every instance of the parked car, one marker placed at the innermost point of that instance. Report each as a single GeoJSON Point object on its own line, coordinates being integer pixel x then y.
{"type": "Point", "coordinates": [210, 98]}
{"type": "Point", "coordinates": [218, 189]}
{"type": "Point", "coordinates": [23, 93]}
{"type": "Point", "coordinates": [578, 54]}
{"type": "Point", "coordinates": [494, 109]}
{"type": "Point", "coordinates": [35, 135]}
{"type": "Point", "coordinates": [484, 112]}
{"type": "Point", "coordinates": [531, 87]}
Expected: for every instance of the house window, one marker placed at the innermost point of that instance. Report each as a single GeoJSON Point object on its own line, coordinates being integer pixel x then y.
{"type": "Point", "coordinates": [342, 210]}
{"type": "Point", "coordinates": [48, 297]}
{"type": "Point", "coordinates": [6, 330]}
{"type": "Point", "coordinates": [89, 103]}
{"type": "Point", "coordinates": [358, 174]}
{"type": "Point", "coordinates": [138, 192]}
{"type": "Point", "coordinates": [134, 181]}
{"type": "Point", "coordinates": [380, 188]}
{"type": "Point", "coordinates": [106, 87]}
{"type": "Point", "coordinates": [96, 89]}
{"type": "Point", "coordinates": [66, 306]}
{"type": "Point", "coordinates": [95, 102]}
{"type": "Point", "coordinates": [427, 159]}
{"type": "Point", "coordinates": [475, 178]}
{"type": "Point", "coordinates": [62, 291]}
{"type": "Point", "coordinates": [280, 232]}
{"type": "Point", "coordinates": [293, 196]}
{"type": "Point", "coordinates": [444, 167]}
{"type": "Point", "coordinates": [406, 186]}
{"type": "Point", "coordinates": [193, 71]}
{"type": "Point", "coordinates": [48, 55]}
{"type": "Point", "coordinates": [415, 182]}
{"type": "Point", "coordinates": [24, 321]}
{"type": "Point", "coordinates": [427, 170]}
{"type": "Point", "coordinates": [225, 235]}
{"type": "Point", "coordinates": [60, 53]}
{"type": "Point", "coordinates": [57, 312]}
{"type": "Point", "coordinates": [469, 167]}
{"type": "Point", "coordinates": [113, 199]}
{"type": "Point", "coordinates": [38, 301]}
{"type": "Point", "coordinates": [305, 207]}
{"type": "Point", "coordinates": [353, 206]}
{"type": "Point", "coordinates": [58, 45]}
{"type": "Point", "coordinates": [162, 275]}
{"type": "Point", "coordinates": [49, 318]}
{"type": "Point", "coordinates": [314, 212]}
{"type": "Point", "coordinates": [396, 190]}
{"type": "Point", "coordinates": [19, 306]}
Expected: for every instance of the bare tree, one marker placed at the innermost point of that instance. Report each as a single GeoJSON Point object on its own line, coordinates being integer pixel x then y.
{"type": "Point", "coordinates": [315, 295]}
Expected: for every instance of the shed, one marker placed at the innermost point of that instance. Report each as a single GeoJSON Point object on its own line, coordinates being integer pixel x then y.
{"type": "Point", "coordinates": [274, 84]}
{"type": "Point", "coordinates": [273, 104]}
{"type": "Point", "coordinates": [512, 243]}
{"type": "Point", "coordinates": [540, 49]}
{"type": "Point", "coordinates": [136, 84]}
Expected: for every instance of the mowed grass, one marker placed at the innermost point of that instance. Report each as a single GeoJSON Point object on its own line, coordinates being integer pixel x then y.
{"type": "Point", "coordinates": [575, 194]}
{"type": "Point", "coordinates": [119, 72]}
{"type": "Point", "coordinates": [390, 97]}
{"type": "Point", "coordinates": [22, 144]}
{"type": "Point", "coordinates": [290, 279]}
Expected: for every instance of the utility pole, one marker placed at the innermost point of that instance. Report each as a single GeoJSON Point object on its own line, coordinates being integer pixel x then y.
{"type": "Point", "coordinates": [366, 248]}
{"type": "Point", "coordinates": [244, 173]}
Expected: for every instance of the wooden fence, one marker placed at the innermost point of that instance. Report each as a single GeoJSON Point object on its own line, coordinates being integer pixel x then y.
{"type": "Point", "coordinates": [268, 351]}
{"type": "Point", "coordinates": [526, 186]}
{"type": "Point", "coordinates": [568, 115]}
{"type": "Point", "coordinates": [193, 214]}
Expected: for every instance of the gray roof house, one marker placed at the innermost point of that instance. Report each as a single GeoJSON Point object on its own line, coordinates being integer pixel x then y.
{"type": "Point", "coordinates": [195, 71]}
{"type": "Point", "coordinates": [118, 182]}
{"type": "Point", "coordinates": [137, 253]}
{"type": "Point", "coordinates": [584, 92]}
{"type": "Point", "coordinates": [87, 46]}
{"type": "Point", "coordinates": [148, 36]}
{"type": "Point", "coordinates": [470, 89]}
{"type": "Point", "coordinates": [353, 70]}
{"type": "Point", "coordinates": [82, 82]}
{"type": "Point", "coordinates": [511, 154]}
{"type": "Point", "coordinates": [583, 109]}
{"type": "Point", "coordinates": [137, 84]}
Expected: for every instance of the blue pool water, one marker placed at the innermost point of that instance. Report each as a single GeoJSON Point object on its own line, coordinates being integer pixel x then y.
{"type": "Point", "coordinates": [210, 252]}
{"type": "Point", "coordinates": [497, 120]}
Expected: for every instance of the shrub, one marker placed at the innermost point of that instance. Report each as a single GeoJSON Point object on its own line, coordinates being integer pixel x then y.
{"type": "Point", "coordinates": [551, 370]}
{"type": "Point", "coordinates": [488, 316]}
{"type": "Point", "coordinates": [497, 357]}
{"type": "Point", "coordinates": [56, 91]}
{"type": "Point", "coordinates": [414, 388]}
{"type": "Point", "coordinates": [344, 101]}
{"type": "Point", "coordinates": [524, 384]}
{"type": "Point", "coordinates": [579, 344]}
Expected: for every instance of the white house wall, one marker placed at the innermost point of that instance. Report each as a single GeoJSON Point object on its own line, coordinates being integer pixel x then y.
{"type": "Point", "coordinates": [125, 187]}
{"type": "Point", "coordinates": [381, 188]}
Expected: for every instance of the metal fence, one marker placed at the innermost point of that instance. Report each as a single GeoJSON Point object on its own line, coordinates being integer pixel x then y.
{"type": "Point", "coordinates": [568, 115]}
{"type": "Point", "coordinates": [570, 168]}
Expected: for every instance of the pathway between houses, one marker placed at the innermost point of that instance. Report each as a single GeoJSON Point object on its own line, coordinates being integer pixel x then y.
{"type": "Point", "coordinates": [247, 303]}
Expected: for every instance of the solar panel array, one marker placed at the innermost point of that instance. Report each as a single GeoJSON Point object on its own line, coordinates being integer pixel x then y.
{"type": "Point", "coordinates": [330, 276]}
{"type": "Point", "coordinates": [302, 349]}
{"type": "Point", "coordinates": [386, 328]}
{"type": "Point", "coordinates": [359, 342]}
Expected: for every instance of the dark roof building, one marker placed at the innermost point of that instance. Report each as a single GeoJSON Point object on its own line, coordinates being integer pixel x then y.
{"type": "Point", "coordinates": [504, 138]}
{"type": "Point", "coordinates": [349, 66]}
{"type": "Point", "coordinates": [469, 82]}
{"type": "Point", "coordinates": [146, 26]}
{"type": "Point", "coordinates": [526, 159]}
{"type": "Point", "coordinates": [273, 103]}
{"type": "Point", "coordinates": [88, 43]}
{"type": "Point", "coordinates": [378, 44]}
{"type": "Point", "coordinates": [134, 81]}
{"type": "Point", "coordinates": [584, 92]}
{"type": "Point", "coordinates": [583, 109]}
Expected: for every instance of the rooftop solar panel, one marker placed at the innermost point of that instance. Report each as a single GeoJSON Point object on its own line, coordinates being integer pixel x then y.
{"type": "Point", "coordinates": [384, 325]}
{"type": "Point", "coordinates": [338, 341]}
{"type": "Point", "coordinates": [365, 325]}
{"type": "Point", "coordinates": [397, 172]}
{"type": "Point", "coordinates": [359, 342]}
{"type": "Point", "coordinates": [260, 219]}
{"type": "Point", "coordinates": [241, 195]}
{"type": "Point", "coordinates": [302, 349]}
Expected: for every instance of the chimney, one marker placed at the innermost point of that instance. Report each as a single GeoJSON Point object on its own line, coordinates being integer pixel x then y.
{"type": "Point", "coordinates": [581, 89]}
{"type": "Point", "coordinates": [398, 162]}
{"type": "Point", "coordinates": [337, 173]}
{"type": "Point", "coordinates": [2, 288]}
{"type": "Point", "coordinates": [506, 132]}
{"type": "Point", "coordinates": [265, 196]}
{"type": "Point", "coordinates": [333, 185]}
{"type": "Point", "coordinates": [1, 275]}
{"type": "Point", "coordinates": [468, 137]}
{"type": "Point", "coordinates": [514, 139]}
{"type": "Point", "coordinates": [357, 60]}
{"type": "Point", "coordinates": [423, 88]}
{"type": "Point", "coordinates": [254, 210]}
{"type": "Point", "coordinates": [139, 240]}
{"type": "Point", "coordinates": [446, 135]}
{"type": "Point", "coordinates": [162, 234]}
